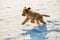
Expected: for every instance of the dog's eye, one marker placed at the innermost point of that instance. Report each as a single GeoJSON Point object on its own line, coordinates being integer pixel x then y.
{"type": "Point", "coordinates": [26, 11]}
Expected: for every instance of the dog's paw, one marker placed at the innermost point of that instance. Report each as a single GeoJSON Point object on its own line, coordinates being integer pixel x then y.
{"type": "Point", "coordinates": [23, 23]}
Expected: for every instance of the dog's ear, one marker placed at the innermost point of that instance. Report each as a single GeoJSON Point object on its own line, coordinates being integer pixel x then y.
{"type": "Point", "coordinates": [29, 8]}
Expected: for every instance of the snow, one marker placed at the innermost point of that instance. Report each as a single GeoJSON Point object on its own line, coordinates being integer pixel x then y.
{"type": "Point", "coordinates": [11, 19]}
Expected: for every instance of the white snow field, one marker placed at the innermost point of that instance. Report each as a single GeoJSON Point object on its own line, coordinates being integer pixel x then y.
{"type": "Point", "coordinates": [11, 19]}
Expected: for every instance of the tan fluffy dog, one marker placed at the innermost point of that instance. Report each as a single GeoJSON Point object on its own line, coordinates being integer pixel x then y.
{"type": "Point", "coordinates": [30, 15]}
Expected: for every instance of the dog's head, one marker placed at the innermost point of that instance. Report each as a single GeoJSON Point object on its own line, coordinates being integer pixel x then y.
{"type": "Point", "coordinates": [25, 11]}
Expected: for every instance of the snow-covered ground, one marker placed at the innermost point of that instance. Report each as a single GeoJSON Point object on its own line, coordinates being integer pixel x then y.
{"type": "Point", "coordinates": [11, 19]}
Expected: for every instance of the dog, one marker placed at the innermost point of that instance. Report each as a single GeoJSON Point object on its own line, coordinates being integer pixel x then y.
{"type": "Point", "coordinates": [30, 15]}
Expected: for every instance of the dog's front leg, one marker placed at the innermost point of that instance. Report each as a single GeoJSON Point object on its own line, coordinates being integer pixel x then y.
{"type": "Point", "coordinates": [33, 20]}
{"type": "Point", "coordinates": [25, 21]}
{"type": "Point", "coordinates": [37, 21]}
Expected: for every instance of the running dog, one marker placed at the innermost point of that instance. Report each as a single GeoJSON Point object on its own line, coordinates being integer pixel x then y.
{"type": "Point", "coordinates": [30, 15]}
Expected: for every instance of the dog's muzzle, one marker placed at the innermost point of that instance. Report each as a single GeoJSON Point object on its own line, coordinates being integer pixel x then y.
{"type": "Point", "coordinates": [23, 14]}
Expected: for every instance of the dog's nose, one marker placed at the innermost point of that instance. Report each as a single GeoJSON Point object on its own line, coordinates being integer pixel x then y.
{"type": "Point", "coordinates": [23, 15]}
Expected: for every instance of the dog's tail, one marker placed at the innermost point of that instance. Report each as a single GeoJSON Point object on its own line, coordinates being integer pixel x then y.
{"type": "Point", "coordinates": [45, 15]}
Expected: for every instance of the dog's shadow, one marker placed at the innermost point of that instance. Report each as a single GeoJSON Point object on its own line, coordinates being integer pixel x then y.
{"type": "Point", "coordinates": [38, 33]}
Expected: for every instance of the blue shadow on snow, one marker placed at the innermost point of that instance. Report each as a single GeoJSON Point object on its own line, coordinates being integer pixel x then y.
{"type": "Point", "coordinates": [39, 33]}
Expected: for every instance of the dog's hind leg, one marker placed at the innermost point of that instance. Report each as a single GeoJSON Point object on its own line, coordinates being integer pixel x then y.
{"type": "Point", "coordinates": [42, 21]}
